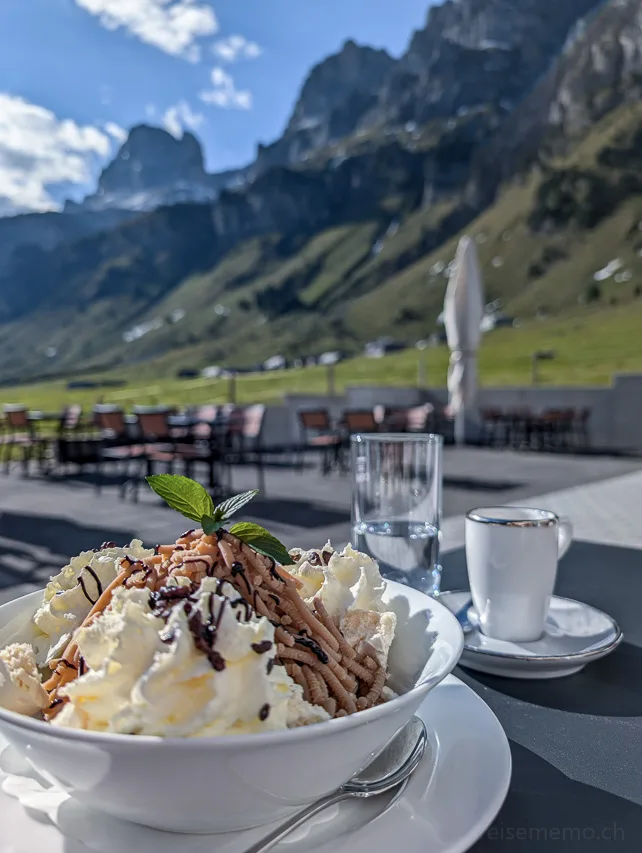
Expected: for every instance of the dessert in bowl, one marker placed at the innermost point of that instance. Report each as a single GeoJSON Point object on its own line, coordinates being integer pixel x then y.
{"type": "Point", "coordinates": [203, 687]}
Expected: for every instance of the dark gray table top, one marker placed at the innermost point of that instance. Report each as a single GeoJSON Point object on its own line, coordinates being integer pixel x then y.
{"type": "Point", "coordinates": [576, 742]}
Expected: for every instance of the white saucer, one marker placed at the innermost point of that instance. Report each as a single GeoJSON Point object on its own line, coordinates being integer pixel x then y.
{"type": "Point", "coordinates": [450, 801]}
{"type": "Point", "coordinates": [575, 634]}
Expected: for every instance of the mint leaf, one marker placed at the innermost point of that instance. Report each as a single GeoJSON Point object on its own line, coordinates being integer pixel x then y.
{"type": "Point", "coordinates": [261, 540]}
{"type": "Point", "coordinates": [228, 507]}
{"type": "Point", "coordinates": [184, 495]}
{"type": "Point", "coordinates": [210, 525]}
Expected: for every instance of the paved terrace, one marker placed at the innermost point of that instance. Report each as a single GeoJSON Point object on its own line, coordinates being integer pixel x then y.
{"type": "Point", "coordinates": [44, 521]}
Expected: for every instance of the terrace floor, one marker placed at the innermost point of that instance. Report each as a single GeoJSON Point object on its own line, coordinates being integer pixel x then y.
{"type": "Point", "coordinates": [44, 521]}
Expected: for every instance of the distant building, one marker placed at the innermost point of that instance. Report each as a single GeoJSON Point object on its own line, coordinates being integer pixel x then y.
{"type": "Point", "coordinates": [379, 348]}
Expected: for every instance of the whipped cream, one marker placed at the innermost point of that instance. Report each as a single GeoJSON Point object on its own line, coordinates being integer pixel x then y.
{"type": "Point", "coordinates": [148, 676]}
{"type": "Point", "coordinates": [21, 687]}
{"type": "Point", "coordinates": [368, 626]}
{"type": "Point", "coordinates": [70, 595]}
{"type": "Point", "coordinates": [344, 581]}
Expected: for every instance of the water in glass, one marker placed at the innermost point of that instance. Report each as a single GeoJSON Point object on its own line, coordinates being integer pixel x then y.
{"type": "Point", "coordinates": [396, 508]}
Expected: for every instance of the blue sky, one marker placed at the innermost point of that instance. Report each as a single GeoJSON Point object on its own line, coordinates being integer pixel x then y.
{"type": "Point", "coordinates": [75, 74]}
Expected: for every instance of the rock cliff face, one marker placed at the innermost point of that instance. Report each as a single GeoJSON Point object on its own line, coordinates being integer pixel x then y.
{"type": "Point", "coordinates": [601, 67]}
{"type": "Point", "coordinates": [336, 95]}
{"type": "Point", "coordinates": [474, 52]}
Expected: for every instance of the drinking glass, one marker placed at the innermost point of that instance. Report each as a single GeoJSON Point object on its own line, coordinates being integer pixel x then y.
{"type": "Point", "coordinates": [396, 505]}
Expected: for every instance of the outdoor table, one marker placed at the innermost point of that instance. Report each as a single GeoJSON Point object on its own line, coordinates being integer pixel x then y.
{"type": "Point", "coordinates": [576, 742]}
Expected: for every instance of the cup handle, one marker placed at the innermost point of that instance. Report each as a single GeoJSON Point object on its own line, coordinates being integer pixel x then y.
{"type": "Point", "coordinates": [564, 536]}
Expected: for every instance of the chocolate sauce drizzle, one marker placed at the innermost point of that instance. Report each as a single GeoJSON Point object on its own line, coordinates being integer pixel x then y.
{"type": "Point", "coordinates": [313, 646]}
{"type": "Point", "coordinates": [264, 713]}
{"type": "Point", "coordinates": [262, 647]}
{"type": "Point", "coordinates": [238, 570]}
{"type": "Point", "coordinates": [237, 604]}
{"type": "Point", "coordinates": [108, 545]}
{"type": "Point", "coordinates": [204, 634]}
{"type": "Point", "coordinates": [163, 600]}
{"type": "Point", "coordinates": [99, 586]}
{"type": "Point", "coordinates": [274, 573]}
{"type": "Point", "coordinates": [270, 665]}
{"type": "Point", "coordinates": [84, 590]}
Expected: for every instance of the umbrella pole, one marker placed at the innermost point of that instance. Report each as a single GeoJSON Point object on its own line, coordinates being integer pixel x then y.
{"type": "Point", "coordinates": [460, 427]}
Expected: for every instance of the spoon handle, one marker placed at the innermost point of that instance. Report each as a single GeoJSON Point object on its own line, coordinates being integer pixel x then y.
{"type": "Point", "coordinates": [268, 841]}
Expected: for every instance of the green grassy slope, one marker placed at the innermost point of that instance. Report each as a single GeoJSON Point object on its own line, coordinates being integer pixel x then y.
{"type": "Point", "coordinates": [590, 344]}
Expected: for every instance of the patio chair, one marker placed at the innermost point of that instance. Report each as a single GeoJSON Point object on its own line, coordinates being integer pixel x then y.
{"type": "Point", "coordinates": [553, 428]}
{"type": "Point", "coordinates": [118, 443]}
{"type": "Point", "coordinates": [522, 425]}
{"type": "Point", "coordinates": [252, 449]}
{"type": "Point", "coordinates": [581, 428]}
{"type": "Point", "coordinates": [494, 427]}
{"type": "Point", "coordinates": [165, 445]}
{"type": "Point", "coordinates": [206, 444]}
{"type": "Point", "coordinates": [360, 420]}
{"type": "Point", "coordinates": [75, 444]}
{"type": "Point", "coordinates": [20, 432]}
{"type": "Point", "coordinates": [110, 421]}
{"type": "Point", "coordinates": [317, 433]}
{"type": "Point", "coordinates": [204, 421]}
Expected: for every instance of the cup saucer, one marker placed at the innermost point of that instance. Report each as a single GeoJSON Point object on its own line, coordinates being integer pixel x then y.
{"type": "Point", "coordinates": [574, 635]}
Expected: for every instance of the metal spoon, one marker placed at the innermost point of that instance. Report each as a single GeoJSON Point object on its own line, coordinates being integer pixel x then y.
{"type": "Point", "coordinates": [461, 615]}
{"type": "Point", "coordinates": [391, 768]}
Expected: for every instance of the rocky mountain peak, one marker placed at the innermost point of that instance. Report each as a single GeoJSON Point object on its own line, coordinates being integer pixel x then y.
{"type": "Point", "coordinates": [154, 168]}
{"type": "Point", "coordinates": [355, 69]}
{"type": "Point", "coordinates": [151, 158]}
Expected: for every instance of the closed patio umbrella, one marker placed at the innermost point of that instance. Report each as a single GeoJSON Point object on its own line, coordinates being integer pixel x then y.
{"type": "Point", "coordinates": [463, 313]}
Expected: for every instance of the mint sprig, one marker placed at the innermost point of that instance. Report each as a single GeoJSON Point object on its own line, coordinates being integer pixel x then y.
{"type": "Point", "coordinates": [184, 495]}
{"type": "Point", "coordinates": [261, 540]}
{"type": "Point", "coordinates": [194, 502]}
{"type": "Point", "coordinates": [232, 505]}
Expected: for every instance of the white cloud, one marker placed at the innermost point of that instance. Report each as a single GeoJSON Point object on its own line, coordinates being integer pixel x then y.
{"type": "Point", "coordinates": [179, 117]}
{"type": "Point", "coordinates": [224, 92]}
{"type": "Point", "coordinates": [236, 47]}
{"type": "Point", "coordinates": [119, 133]}
{"type": "Point", "coordinates": [38, 150]}
{"type": "Point", "coordinates": [173, 26]}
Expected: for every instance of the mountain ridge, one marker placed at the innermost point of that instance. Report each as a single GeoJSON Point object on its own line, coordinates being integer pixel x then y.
{"type": "Point", "coordinates": [341, 242]}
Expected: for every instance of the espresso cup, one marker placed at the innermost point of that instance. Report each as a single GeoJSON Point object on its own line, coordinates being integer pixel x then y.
{"type": "Point", "coordinates": [512, 555]}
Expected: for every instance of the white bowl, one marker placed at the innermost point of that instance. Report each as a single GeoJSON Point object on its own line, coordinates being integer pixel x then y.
{"type": "Point", "coordinates": [228, 783]}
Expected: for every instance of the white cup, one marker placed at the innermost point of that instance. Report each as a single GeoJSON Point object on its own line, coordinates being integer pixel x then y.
{"type": "Point", "coordinates": [512, 555]}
